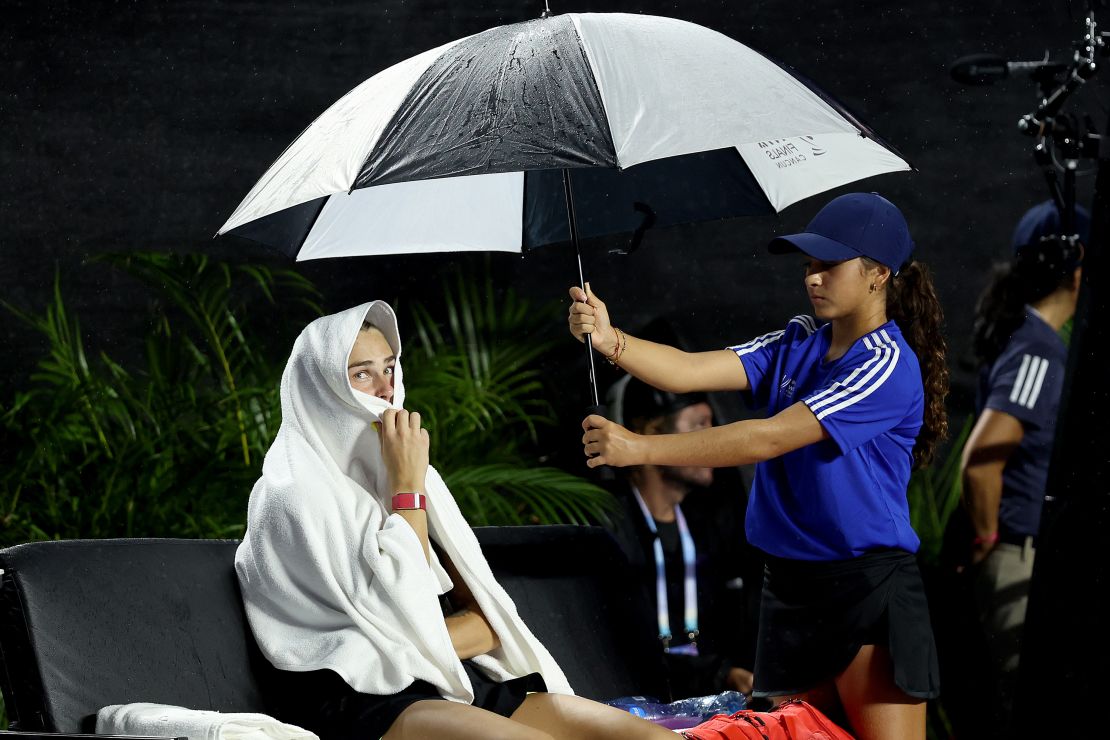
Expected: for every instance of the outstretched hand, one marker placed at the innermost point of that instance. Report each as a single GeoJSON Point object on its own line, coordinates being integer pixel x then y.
{"type": "Point", "coordinates": [405, 450]}
{"type": "Point", "coordinates": [588, 315]}
{"type": "Point", "coordinates": [606, 442]}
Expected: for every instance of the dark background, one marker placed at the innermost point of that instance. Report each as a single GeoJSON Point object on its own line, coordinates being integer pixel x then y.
{"type": "Point", "coordinates": [140, 125]}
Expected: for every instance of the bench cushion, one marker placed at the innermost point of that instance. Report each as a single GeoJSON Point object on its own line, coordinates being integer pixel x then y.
{"type": "Point", "coordinates": [87, 623]}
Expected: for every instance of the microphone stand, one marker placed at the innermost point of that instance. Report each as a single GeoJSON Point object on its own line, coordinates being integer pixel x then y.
{"type": "Point", "coordinates": [1063, 132]}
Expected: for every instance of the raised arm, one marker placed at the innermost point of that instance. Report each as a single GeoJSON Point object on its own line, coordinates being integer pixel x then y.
{"type": "Point", "coordinates": [659, 365]}
{"type": "Point", "coordinates": [739, 443]}
{"type": "Point", "coordinates": [405, 452]}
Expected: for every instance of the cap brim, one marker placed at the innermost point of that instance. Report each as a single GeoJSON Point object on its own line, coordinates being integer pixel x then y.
{"type": "Point", "coordinates": [815, 245]}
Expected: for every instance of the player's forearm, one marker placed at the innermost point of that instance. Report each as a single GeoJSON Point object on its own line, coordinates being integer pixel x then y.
{"type": "Point", "coordinates": [659, 365]}
{"type": "Point", "coordinates": [470, 633]}
{"type": "Point", "coordinates": [418, 520]}
{"type": "Point", "coordinates": [982, 496]}
{"type": "Point", "coordinates": [739, 443]}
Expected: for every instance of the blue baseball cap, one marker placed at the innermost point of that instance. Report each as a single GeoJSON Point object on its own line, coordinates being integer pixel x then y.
{"type": "Point", "coordinates": [853, 225]}
{"type": "Point", "coordinates": [1043, 220]}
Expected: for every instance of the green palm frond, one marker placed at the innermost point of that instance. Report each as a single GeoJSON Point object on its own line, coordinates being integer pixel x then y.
{"type": "Point", "coordinates": [170, 444]}
{"type": "Point", "coordinates": [502, 493]}
{"type": "Point", "coordinates": [481, 372]}
{"type": "Point", "coordinates": [934, 493]}
{"type": "Point", "coordinates": [169, 447]}
{"type": "Point", "coordinates": [476, 381]}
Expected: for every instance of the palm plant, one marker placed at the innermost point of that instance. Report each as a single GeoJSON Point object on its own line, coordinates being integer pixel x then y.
{"type": "Point", "coordinates": [171, 445]}
{"type": "Point", "coordinates": [167, 449]}
{"type": "Point", "coordinates": [934, 493]}
{"type": "Point", "coordinates": [477, 383]}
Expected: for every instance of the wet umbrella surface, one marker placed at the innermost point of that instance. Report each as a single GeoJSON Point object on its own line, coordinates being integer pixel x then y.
{"type": "Point", "coordinates": [563, 127]}
{"type": "Point", "coordinates": [463, 147]}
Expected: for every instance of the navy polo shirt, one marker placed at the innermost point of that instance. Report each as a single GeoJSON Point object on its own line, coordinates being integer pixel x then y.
{"type": "Point", "coordinates": [846, 495]}
{"type": "Point", "coordinates": [1026, 382]}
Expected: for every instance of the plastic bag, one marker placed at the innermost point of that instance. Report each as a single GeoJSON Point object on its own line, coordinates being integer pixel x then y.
{"type": "Point", "coordinates": [684, 713]}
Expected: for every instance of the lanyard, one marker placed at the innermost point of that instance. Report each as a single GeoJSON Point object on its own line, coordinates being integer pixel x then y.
{"type": "Point", "coordinates": [689, 560]}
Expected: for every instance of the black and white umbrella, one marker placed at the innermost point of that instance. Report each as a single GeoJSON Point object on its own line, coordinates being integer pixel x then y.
{"type": "Point", "coordinates": [471, 146]}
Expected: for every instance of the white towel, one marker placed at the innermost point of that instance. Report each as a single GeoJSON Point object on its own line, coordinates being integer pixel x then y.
{"type": "Point", "coordinates": [164, 720]}
{"type": "Point", "coordinates": [331, 578]}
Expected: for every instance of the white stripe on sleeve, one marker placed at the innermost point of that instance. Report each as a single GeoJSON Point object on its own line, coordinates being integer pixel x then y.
{"type": "Point", "coordinates": [806, 322]}
{"type": "Point", "coordinates": [1030, 377]}
{"type": "Point", "coordinates": [1037, 384]}
{"type": "Point", "coordinates": [848, 381]}
{"type": "Point", "coordinates": [753, 345]}
{"type": "Point", "coordinates": [863, 388]}
{"type": "Point", "coordinates": [1016, 390]}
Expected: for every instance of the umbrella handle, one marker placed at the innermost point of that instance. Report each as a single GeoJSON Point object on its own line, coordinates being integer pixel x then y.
{"type": "Point", "coordinates": [593, 374]}
{"type": "Point", "coordinates": [581, 278]}
{"type": "Point", "coordinates": [602, 472]}
{"type": "Point", "coordinates": [598, 409]}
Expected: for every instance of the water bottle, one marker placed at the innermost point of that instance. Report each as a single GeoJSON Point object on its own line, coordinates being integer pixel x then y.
{"type": "Point", "coordinates": [684, 713]}
{"type": "Point", "coordinates": [726, 702]}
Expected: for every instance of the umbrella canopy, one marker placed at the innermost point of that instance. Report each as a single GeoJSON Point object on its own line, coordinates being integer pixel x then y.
{"type": "Point", "coordinates": [464, 147]}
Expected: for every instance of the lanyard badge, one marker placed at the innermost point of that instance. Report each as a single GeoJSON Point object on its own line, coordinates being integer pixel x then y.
{"type": "Point", "coordinates": [690, 582]}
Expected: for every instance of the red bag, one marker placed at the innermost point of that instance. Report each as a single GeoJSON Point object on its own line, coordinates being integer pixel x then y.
{"type": "Point", "coordinates": [791, 720]}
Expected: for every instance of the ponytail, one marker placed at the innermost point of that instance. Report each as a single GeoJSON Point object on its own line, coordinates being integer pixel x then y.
{"type": "Point", "coordinates": [911, 301]}
{"type": "Point", "coordinates": [1035, 271]}
{"type": "Point", "coordinates": [998, 314]}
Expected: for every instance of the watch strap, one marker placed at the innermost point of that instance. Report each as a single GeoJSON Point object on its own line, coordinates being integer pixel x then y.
{"type": "Point", "coordinates": [409, 501]}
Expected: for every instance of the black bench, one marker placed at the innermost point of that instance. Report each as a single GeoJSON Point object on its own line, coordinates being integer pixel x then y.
{"type": "Point", "coordinates": [88, 623]}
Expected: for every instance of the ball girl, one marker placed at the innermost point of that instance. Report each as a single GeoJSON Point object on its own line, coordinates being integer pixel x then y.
{"type": "Point", "coordinates": [855, 399]}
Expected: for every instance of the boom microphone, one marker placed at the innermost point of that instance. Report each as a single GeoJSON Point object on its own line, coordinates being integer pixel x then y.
{"type": "Point", "coordinates": [986, 69]}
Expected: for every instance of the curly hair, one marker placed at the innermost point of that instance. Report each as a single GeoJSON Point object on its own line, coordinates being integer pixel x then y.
{"type": "Point", "coordinates": [911, 301]}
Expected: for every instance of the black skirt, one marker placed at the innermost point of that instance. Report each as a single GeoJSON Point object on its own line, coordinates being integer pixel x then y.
{"type": "Point", "coordinates": [322, 702]}
{"type": "Point", "coordinates": [815, 616]}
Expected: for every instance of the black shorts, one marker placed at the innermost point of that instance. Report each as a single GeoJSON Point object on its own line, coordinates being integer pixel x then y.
{"type": "Point", "coordinates": [815, 616]}
{"type": "Point", "coordinates": [322, 702]}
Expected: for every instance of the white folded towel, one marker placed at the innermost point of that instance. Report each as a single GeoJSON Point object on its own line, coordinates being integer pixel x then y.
{"type": "Point", "coordinates": [164, 720]}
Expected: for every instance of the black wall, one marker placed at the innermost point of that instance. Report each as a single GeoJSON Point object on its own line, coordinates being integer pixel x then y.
{"type": "Point", "coordinates": [141, 125]}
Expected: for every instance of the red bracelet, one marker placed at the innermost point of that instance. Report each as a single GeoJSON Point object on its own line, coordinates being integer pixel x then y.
{"type": "Point", "coordinates": [989, 539]}
{"type": "Point", "coordinates": [409, 501]}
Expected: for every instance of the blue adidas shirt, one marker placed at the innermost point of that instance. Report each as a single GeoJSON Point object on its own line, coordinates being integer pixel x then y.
{"type": "Point", "coordinates": [843, 496]}
{"type": "Point", "coordinates": [1026, 382]}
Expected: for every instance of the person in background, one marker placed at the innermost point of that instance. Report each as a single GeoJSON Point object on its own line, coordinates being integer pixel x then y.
{"type": "Point", "coordinates": [1022, 358]}
{"type": "Point", "coordinates": [855, 400]}
{"type": "Point", "coordinates": [690, 562]}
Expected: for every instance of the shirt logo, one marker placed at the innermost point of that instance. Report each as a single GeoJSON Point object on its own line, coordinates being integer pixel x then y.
{"type": "Point", "coordinates": [787, 386]}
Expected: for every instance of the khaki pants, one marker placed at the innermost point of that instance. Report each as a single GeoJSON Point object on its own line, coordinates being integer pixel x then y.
{"type": "Point", "coordinates": [1001, 585]}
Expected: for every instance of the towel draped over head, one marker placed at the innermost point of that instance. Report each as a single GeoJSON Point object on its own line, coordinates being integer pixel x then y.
{"type": "Point", "coordinates": [330, 578]}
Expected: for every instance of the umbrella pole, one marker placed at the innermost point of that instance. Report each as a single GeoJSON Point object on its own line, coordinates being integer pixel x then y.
{"type": "Point", "coordinates": [581, 278]}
